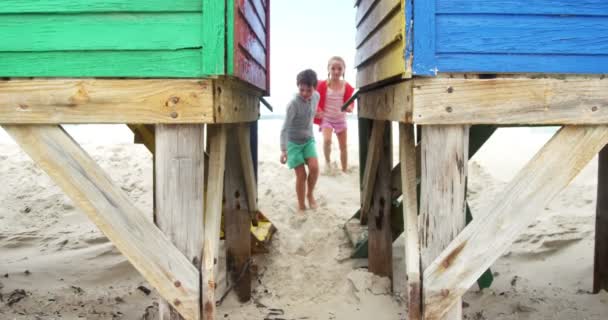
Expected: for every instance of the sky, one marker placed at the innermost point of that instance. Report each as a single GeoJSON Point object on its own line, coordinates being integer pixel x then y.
{"type": "Point", "coordinates": [305, 34]}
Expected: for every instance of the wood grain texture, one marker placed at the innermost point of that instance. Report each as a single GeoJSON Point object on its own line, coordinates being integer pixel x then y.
{"type": "Point", "coordinates": [408, 166]}
{"type": "Point", "coordinates": [144, 245]}
{"type": "Point", "coordinates": [179, 189]}
{"type": "Point", "coordinates": [528, 34]}
{"type": "Point", "coordinates": [443, 189]}
{"type": "Point", "coordinates": [390, 32]}
{"type": "Point", "coordinates": [116, 31]}
{"type": "Point", "coordinates": [389, 65]}
{"type": "Point", "coordinates": [215, 27]}
{"type": "Point", "coordinates": [577, 100]}
{"type": "Point", "coordinates": [393, 103]}
{"type": "Point", "coordinates": [363, 9]}
{"type": "Point", "coordinates": [380, 236]}
{"type": "Point", "coordinates": [375, 18]}
{"type": "Point", "coordinates": [600, 260]}
{"type": "Point", "coordinates": [147, 64]}
{"type": "Point", "coordinates": [216, 135]}
{"type": "Point", "coordinates": [105, 101]}
{"type": "Point", "coordinates": [244, 140]}
{"type": "Point", "coordinates": [523, 7]}
{"type": "Point", "coordinates": [87, 6]}
{"type": "Point", "coordinates": [237, 218]}
{"type": "Point", "coordinates": [260, 10]}
{"type": "Point", "coordinates": [488, 236]}
{"type": "Point", "coordinates": [371, 167]}
{"type": "Point", "coordinates": [245, 10]}
{"type": "Point", "coordinates": [235, 102]}
{"type": "Point", "coordinates": [508, 36]}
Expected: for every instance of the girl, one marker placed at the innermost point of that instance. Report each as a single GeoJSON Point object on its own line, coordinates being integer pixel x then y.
{"type": "Point", "coordinates": [333, 93]}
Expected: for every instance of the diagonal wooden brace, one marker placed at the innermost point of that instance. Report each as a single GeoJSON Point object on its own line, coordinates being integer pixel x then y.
{"type": "Point", "coordinates": [371, 167]}
{"type": "Point", "coordinates": [144, 245]}
{"type": "Point", "coordinates": [483, 241]}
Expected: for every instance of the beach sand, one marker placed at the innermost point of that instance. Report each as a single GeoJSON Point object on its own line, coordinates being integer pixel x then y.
{"type": "Point", "coordinates": [55, 264]}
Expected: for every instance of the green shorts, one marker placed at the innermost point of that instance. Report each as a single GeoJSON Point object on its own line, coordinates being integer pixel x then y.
{"type": "Point", "coordinates": [298, 153]}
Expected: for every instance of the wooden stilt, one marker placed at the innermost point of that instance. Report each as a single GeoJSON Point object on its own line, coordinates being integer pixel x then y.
{"type": "Point", "coordinates": [179, 200]}
{"type": "Point", "coordinates": [486, 238]}
{"type": "Point", "coordinates": [407, 156]}
{"type": "Point", "coordinates": [237, 218]}
{"type": "Point", "coordinates": [248, 165]}
{"type": "Point", "coordinates": [371, 167]}
{"type": "Point", "coordinates": [600, 271]}
{"type": "Point", "coordinates": [380, 244]}
{"type": "Point", "coordinates": [216, 135]}
{"type": "Point", "coordinates": [137, 238]}
{"type": "Point", "coordinates": [442, 209]}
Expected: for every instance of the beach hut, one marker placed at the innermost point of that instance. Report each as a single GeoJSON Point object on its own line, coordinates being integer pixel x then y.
{"type": "Point", "coordinates": [187, 76]}
{"type": "Point", "coordinates": [457, 69]}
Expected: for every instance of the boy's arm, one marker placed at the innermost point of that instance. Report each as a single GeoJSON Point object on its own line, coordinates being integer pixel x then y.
{"type": "Point", "coordinates": [288, 121]}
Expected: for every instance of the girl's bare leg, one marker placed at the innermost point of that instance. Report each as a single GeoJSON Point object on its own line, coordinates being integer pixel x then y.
{"type": "Point", "coordinates": [301, 186]}
{"type": "Point", "coordinates": [343, 149]}
{"type": "Point", "coordinates": [313, 175]}
{"type": "Point", "coordinates": [327, 144]}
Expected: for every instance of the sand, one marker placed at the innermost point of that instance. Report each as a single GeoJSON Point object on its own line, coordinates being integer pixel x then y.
{"type": "Point", "coordinates": [55, 264]}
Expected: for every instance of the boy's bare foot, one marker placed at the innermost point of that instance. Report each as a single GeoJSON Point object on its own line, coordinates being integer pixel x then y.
{"type": "Point", "coordinates": [312, 201]}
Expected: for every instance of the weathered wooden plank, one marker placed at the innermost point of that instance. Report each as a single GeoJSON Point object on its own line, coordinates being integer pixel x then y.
{"type": "Point", "coordinates": [235, 102]}
{"type": "Point", "coordinates": [380, 241]}
{"type": "Point", "coordinates": [248, 41]}
{"type": "Point", "coordinates": [153, 63]}
{"type": "Point", "coordinates": [105, 101]}
{"type": "Point", "coordinates": [393, 103]}
{"type": "Point", "coordinates": [216, 135]}
{"type": "Point", "coordinates": [443, 188]}
{"type": "Point", "coordinates": [214, 37]}
{"type": "Point", "coordinates": [179, 189]}
{"type": "Point", "coordinates": [363, 9]}
{"type": "Point", "coordinates": [259, 10]}
{"type": "Point", "coordinates": [105, 6]}
{"type": "Point", "coordinates": [244, 140]}
{"type": "Point", "coordinates": [487, 237]}
{"type": "Point", "coordinates": [389, 33]}
{"type": "Point", "coordinates": [247, 12]}
{"type": "Point", "coordinates": [371, 167]}
{"type": "Point", "coordinates": [144, 134]}
{"type": "Point", "coordinates": [524, 7]}
{"type": "Point", "coordinates": [237, 218]}
{"type": "Point", "coordinates": [600, 268]}
{"type": "Point", "coordinates": [408, 165]}
{"type": "Point", "coordinates": [379, 15]}
{"type": "Point", "coordinates": [574, 100]}
{"type": "Point", "coordinates": [144, 245]}
{"type": "Point", "coordinates": [390, 64]}
{"type": "Point", "coordinates": [528, 34]}
{"type": "Point", "coordinates": [141, 31]}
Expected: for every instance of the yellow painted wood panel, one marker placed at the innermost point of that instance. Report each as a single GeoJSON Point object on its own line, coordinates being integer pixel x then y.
{"type": "Point", "coordinates": [390, 32]}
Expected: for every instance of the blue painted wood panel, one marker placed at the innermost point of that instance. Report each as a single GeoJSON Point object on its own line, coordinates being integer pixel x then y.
{"type": "Point", "coordinates": [510, 36]}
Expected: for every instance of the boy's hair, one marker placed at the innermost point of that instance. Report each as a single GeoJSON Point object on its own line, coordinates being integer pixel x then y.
{"type": "Point", "coordinates": [307, 77]}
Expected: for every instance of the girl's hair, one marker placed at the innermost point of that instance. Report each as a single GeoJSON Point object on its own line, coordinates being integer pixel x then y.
{"type": "Point", "coordinates": [339, 59]}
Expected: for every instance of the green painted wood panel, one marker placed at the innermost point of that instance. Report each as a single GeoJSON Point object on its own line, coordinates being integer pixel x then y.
{"type": "Point", "coordinates": [173, 64]}
{"type": "Point", "coordinates": [80, 6]}
{"type": "Point", "coordinates": [116, 31]}
{"type": "Point", "coordinates": [214, 36]}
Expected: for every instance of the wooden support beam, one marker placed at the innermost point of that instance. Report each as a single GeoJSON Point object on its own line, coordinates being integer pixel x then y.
{"type": "Point", "coordinates": [216, 136]}
{"type": "Point", "coordinates": [487, 237]}
{"type": "Point", "coordinates": [56, 101]}
{"type": "Point", "coordinates": [443, 186]}
{"type": "Point", "coordinates": [392, 102]}
{"type": "Point", "coordinates": [408, 165]}
{"type": "Point", "coordinates": [244, 142]}
{"type": "Point", "coordinates": [600, 270]}
{"type": "Point", "coordinates": [179, 201]}
{"type": "Point", "coordinates": [371, 167]}
{"type": "Point", "coordinates": [237, 218]}
{"type": "Point", "coordinates": [575, 100]}
{"type": "Point", "coordinates": [380, 241]}
{"type": "Point", "coordinates": [144, 245]}
{"type": "Point", "coordinates": [136, 101]}
{"type": "Point", "coordinates": [144, 133]}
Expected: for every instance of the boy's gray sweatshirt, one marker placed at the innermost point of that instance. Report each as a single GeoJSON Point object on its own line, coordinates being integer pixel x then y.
{"type": "Point", "coordinates": [297, 127]}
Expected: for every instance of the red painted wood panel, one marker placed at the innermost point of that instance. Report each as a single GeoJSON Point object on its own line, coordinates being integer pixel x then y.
{"type": "Point", "coordinates": [251, 43]}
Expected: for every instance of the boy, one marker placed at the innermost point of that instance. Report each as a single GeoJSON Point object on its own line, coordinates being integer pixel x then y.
{"type": "Point", "coordinates": [297, 141]}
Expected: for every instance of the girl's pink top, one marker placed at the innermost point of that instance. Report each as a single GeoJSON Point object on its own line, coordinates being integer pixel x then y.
{"type": "Point", "coordinates": [333, 104]}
